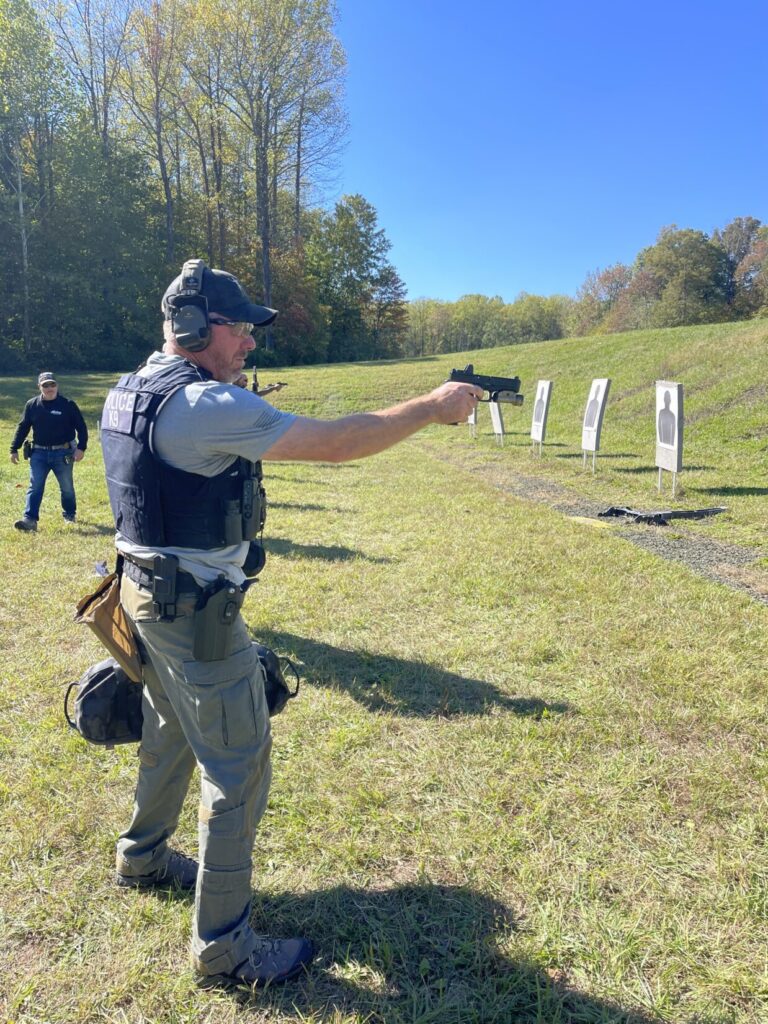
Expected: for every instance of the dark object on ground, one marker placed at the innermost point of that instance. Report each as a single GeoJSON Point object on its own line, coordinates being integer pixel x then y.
{"type": "Point", "coordinates": [28, 525]}
{"type": "Point", "coordinates": [178, 872]}
{"type": "Point", "coordinates": [662, 517]}
{"type": "Point", "coordinates": [273, 961]}
{"type": "Point", "coordinates": [500, 389]}
{"type": "Point", "coordinates": [107, 706]}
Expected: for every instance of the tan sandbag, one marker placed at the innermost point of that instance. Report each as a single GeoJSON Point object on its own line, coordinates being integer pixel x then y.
{"type": "Point", "coordinates": [103, 612]}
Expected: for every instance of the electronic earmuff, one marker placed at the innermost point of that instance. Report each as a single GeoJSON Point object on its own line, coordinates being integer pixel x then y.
{"type": "Point", "coordinates": [189, 309]}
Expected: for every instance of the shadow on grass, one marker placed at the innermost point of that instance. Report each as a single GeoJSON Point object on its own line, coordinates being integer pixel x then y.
{"type": "Point", "coordinates": [416, 953]}
{"type": "Point", "coordinates": [95, 529]}
{"type": "Point", "coordinates": [637, 470]}
{"type": "Point", "coordinates": [49, 523]}
{"type": "Point", "coordinates": [734, 491]}
{"type": "Point", "coordinates": [304, 507]}
{"type": "Point", "coordinates": [270, 478]}
{"type": "Point", "coordinates": [382, 683]}
{"type": "Point", "coordinates": [341, 466]}
{"type": "Point", "coordinates": [329, 553]}
{"type": "Point", "coordinates": [600, 455]}
{"type": "Point", "coordinates": [507, 433]}
{"type": "Point", "coordinates": [655, 469]}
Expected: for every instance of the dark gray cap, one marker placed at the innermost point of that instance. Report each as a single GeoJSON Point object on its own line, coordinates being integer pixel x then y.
{"type": "Point", "coordinates": [225, 295]}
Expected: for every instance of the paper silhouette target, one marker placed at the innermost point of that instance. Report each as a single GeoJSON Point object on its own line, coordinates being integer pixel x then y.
{"type": "Point", "coordinates": [669, 425]}
{"type": "Point", "coordinates": [593, 414]}
{"type": "Point", "coordinates": [497, 421]}
{"type": "Point", "coordinates": [541, 410]}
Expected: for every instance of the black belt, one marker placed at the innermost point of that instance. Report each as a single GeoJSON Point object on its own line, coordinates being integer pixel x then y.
{"type": "Point", "coordinates": [143, 576]}
{"type": "Point", "coordinates": [52, 447]}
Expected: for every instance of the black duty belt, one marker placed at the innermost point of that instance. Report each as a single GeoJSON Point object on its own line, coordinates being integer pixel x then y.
{"type": "Point", "coordinates": [144, 577]}
{"type": "Point", "coordinates": [52, 447]}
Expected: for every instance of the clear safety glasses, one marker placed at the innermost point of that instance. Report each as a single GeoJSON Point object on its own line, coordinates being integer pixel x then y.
{"type": "Point", "coordinates": [240, 327]}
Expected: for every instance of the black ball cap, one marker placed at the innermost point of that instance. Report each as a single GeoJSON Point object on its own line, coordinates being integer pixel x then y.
{"type": "Point", "coordinates": [225, 295]}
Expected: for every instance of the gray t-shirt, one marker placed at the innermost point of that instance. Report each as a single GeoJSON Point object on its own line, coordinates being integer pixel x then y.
{"type": "Point", "coordinates": [202, 428]}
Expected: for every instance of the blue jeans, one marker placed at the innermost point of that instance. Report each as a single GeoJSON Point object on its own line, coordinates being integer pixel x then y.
{"type": "Point", "coordinates": [41, 464]}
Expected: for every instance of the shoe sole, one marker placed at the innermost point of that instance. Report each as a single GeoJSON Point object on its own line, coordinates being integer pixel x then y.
{"type": "Point", "coordinates": [226, 981]}
{"type": "Point", "coordinates": [230, 981]}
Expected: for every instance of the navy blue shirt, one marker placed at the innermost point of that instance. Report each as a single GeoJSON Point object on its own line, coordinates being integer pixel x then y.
{"type": "Point", "coordinates": [52, 422]}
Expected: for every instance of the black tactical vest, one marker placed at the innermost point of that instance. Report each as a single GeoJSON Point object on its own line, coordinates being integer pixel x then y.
{"type": "Point", "coordinates": [156, 505]}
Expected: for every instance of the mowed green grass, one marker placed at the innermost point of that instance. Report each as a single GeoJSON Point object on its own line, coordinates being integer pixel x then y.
{"type": "Point", "coordinates": [526, 776]}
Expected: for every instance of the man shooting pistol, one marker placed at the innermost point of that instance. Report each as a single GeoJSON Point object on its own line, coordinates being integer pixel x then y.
{"type": "Point", "coordinates": [500, 389]}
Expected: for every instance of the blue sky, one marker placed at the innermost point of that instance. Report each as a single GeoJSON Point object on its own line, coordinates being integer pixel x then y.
{"type": "Point", "coordinates": [510, 148]}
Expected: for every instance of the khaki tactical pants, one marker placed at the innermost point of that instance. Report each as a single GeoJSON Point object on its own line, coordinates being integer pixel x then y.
{"type": "Point", "coordinates": [213, 714]}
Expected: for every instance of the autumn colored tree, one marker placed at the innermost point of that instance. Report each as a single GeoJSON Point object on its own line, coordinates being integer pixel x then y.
{"type": "Point", "coordinates": [751, 277]}
{"type": "Point", "coordinates": [737, 239]}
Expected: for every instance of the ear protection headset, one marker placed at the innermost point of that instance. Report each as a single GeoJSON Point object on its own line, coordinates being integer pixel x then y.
{"type": "Point", "coordinates": [189, 309]}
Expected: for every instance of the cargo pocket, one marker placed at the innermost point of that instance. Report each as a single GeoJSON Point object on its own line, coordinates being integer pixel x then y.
{"type": "Point", "coordinates": [228, 716]}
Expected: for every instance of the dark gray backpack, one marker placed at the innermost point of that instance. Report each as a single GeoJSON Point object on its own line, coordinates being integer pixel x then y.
{"type": "Point", "coordinates": [107, 705]}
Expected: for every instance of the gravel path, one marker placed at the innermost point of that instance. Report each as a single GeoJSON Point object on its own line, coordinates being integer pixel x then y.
{"type": "Point", "coordinates": [729, 564]}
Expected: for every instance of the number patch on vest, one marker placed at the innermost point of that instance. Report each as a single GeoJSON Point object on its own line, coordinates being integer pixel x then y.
{"type": "Point", "coordinates": [118, 411]}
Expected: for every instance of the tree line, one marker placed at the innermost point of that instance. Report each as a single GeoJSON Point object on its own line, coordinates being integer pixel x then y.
{"type": "Point", "coordinates": [686, 277]}
{"type": "Point", "coordinates": [135, 134]}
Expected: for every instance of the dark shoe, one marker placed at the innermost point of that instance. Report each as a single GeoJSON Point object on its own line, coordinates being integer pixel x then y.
{"type": "Point", "coordinates": [273, 961]}
{"type": "Point", "coordinates": [69, 519]}
{"type": "Point", "coordinates": [178, 872]}
{"type": "Point", "coordinates": [29, 525]}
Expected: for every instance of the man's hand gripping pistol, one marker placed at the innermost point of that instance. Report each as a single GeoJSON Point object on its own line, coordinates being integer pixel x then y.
{"type": "Point", "coordinates": [498, 389]}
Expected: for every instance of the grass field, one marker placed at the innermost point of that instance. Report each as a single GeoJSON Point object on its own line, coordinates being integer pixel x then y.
{"type": "Point", "coordinates": [526, 778]}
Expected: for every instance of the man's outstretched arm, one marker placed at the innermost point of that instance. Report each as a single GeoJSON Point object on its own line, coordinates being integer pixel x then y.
{"type": "Point", "coordinates": [354, 437]}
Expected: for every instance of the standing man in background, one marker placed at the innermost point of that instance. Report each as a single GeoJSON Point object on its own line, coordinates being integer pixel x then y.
{"type": "Point", "coordinates": [54, 420]}
{"type": "Point", "coordinates": [262, 392]}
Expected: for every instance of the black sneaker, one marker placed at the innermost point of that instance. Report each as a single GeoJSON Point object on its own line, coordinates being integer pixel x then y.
{"type": "Point", "coordinates": [28, 525]}
{"type": "Point", "coordinates": [178, 872]}
{"type": "Point", "coordinates": [70, 519]}
{"type": "Point", "coordinates": [273, 961]}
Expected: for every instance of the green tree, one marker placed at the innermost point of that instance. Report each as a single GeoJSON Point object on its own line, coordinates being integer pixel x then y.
{"type": "Point", "coordinates": [535, 318]}
{"type": "Point", "coordinates": [90, 37]}
{"type": "Point", "coordinates": [33, 107]}
{"type": "Point", "coordinates": [149, 89]}
{"type": "Point", "coordinates": [301, 331]}
{"type": "Point", "coordinates": [693, 276]}
{"type": "Point", "coordinates": [387, 319]}
{"type": "Point", "coordinates": [347, 255]}
{"type": "Point", "coordinates": [283, 90]}
{"type": "Point", "coordinates": [100, 256]}
{"type": "Point", "coordinates": [471, 319]}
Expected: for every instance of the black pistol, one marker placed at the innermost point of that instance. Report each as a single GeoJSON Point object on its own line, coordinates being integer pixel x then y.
{"type": "Point", "coordinates": [499, 389]}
